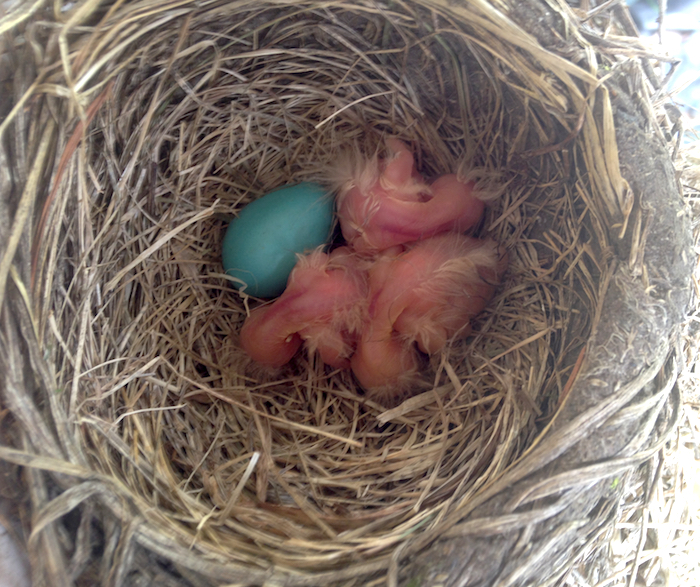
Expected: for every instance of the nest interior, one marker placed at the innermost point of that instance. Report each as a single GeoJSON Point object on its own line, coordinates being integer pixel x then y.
{"type": "Point", "coordinates": [141, 128]}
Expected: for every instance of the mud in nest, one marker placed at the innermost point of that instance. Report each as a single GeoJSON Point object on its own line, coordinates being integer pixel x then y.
{"type": "Point", "coordinates": [191, 110]}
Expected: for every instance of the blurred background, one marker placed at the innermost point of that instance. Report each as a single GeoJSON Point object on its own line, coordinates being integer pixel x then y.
{"type": "Point", "coordinates": [675, 25]}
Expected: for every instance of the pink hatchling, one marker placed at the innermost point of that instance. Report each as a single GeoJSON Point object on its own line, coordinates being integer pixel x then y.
{"type": "Point", "coordinates": [386, 202]}
{"type": "Point", "coordinates": [323, 305]}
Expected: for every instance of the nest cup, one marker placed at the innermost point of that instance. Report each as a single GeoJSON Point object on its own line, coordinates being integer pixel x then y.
{"type": "Point", "coordinates": [142, 445]}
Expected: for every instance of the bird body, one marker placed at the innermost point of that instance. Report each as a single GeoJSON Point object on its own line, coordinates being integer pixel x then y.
{"type": "Point", "coordinates": [323, 304]}
{"type": "Point", "coordinates": [423, 296]}
{"type": "Point", "coordinates": [386, 203]}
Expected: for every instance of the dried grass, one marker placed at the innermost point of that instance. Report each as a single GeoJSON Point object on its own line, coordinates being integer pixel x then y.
{"type": "Point", "coordinates": [294, 467]}
{"type": "Point", "coordinates": [160, 121]}
{"type": "Point", "coordinates": [656, 538]}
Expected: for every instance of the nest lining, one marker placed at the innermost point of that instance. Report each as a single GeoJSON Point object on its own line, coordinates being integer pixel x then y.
{"type": "Point", "coordinates": [225, 102]}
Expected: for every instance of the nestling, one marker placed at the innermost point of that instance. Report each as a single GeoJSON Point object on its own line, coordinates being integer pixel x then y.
{"type": "Point", "coordinates": [424, 295]}
{"type": "Point", "coordinates": [323, 305]}
{"type": "Point", "coordinates": [382, 203]}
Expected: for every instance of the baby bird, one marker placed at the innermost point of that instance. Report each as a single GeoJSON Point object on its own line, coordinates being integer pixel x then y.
{"type": "Point", "coordinates": [425, 294]}
{"type": "Point", "coordinates": [383, 203]}
{"type": "Point", "coordinates": [383, 359]}
{"type": "Point", "coordinates": [324, 305]}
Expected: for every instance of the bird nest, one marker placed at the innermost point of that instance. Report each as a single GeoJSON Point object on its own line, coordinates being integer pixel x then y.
{"type": "Point", "coordinates": [153, 452]}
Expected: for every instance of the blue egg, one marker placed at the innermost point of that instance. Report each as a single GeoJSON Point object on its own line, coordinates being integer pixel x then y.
{"type": "Point", "coordinates": [261, 244]}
